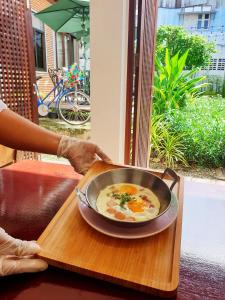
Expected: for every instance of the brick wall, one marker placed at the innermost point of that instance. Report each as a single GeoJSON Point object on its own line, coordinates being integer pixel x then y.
{"type": "Point", "coordinates": [45, 84]}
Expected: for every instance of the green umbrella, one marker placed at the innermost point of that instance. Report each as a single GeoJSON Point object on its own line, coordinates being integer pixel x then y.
{"type": "Point", "coordinates": [70, 16]}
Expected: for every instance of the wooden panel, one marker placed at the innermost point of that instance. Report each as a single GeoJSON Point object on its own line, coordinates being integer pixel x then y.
{"type": "Point", "coordinates": [130, 79]}
{"type": "Point", "coordinates": [140, 71]}
{"type": "Point", "coordinates": [17, 72]}
{"type": "Point", "coordinates": [146, 71]}
{"type": "Point", "coordinates": [139, 80]}
{"type": "Point", "coordinates": [149, 264]}
{"type": "Point", "coordinates": [15, 58]}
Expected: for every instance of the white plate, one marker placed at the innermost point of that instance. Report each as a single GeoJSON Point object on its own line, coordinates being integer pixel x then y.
{"type": "Point", "coordinates": [149, 229]}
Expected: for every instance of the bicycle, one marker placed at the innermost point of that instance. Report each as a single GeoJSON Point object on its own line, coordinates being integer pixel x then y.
{"type": "Point", "coordinates": [71, 105]}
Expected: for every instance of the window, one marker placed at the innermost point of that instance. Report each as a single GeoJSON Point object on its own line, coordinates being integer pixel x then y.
{"type": "Point", "coordinates": [39, 44]}
{"type": "Point", "coordinates": [65, 50]}
{"type": "Point", "coordinates": [59, 50]}
{"type": "Point", "coordinates": [221, 64]}
{"type": "Point", "coordinates": [69, 49]}
{"type": "Point", "coordinates": [178, 4]}
{"type": "Point", "coordinates": [163, 3]}
{"type": "Point", "coordinates": [203, 21]}
{"type": "Point", "coordinates": [216, 64]}
{"type": "Point", "coordinates": [213, 64]}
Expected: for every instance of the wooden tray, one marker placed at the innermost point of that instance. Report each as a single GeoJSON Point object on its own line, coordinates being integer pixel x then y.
{"type": "Point", "coordinates": [150, 264]}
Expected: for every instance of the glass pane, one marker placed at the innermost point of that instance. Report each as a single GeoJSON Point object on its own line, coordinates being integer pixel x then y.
{"type": "Point", "coordinates": [199, 24]}
{"type": "Point", "coordinates": [35, 56]}
{"type": "Point", "coordinates": [206, 24]}
{"type": "Point", "coordinates": [66, 52]}
{"type": "Point", "coordinates": [36, 23]}
{"type": "Point", "coordinates": [39, 45]}
{"type": "Point", "coordinates": [76, 50]}
{"type": "Point", "coordinates": [39, 49]}
{"type": "Point", "coordinates": [70, 50]}
{"type": "Point", "coordinates": [59, 50]}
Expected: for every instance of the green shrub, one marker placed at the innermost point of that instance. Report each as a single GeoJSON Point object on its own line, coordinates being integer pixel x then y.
{"type": "Point", "coordinates": [215, 85]}
{"type": "Point", "coordinates": [203, 124]}
{"type": "Point", "coordinates": [177, 39]}
{"type": "Point", "coordinates": [172, 85]}
{"type": "Point", "coordinates": [223, 89]}
{"type": "Point", "coordinates": [166, 145]}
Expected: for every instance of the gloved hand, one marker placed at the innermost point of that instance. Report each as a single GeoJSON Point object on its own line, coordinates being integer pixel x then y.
{"type": "Point", "coordinates": [16, 256]}
{"type": "Point", "coordinates": [81, 154]}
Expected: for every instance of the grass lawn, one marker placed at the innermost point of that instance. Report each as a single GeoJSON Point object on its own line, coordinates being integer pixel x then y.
{"type": "Point", "coordinates": [61, 127]}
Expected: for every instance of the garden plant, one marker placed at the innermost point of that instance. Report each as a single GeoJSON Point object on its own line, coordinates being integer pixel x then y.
{"type": "Point", "coordinates": [201, 127]}
{"type": "Point", "coordinates": [172, 84]}
{"type": "Point", "coordinates": [166, 145]}
{"type": "Point", "coordinates": [187, 128]}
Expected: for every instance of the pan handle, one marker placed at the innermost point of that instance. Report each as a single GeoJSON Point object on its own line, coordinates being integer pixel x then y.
{"type": "Point", "coordinates": [172, 174]}
{"type": "Point", "coordinates": [82, 196]}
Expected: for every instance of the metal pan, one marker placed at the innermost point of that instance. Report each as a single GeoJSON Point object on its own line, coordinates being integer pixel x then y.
{"type": "Point", "coordinates": [129, 175]}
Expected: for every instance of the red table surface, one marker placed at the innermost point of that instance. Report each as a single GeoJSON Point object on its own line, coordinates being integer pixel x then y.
{"type": "Point", "coordinates": [31, 192]}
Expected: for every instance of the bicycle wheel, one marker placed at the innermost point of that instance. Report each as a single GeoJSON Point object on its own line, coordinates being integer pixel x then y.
{"type": "Point", "coordinates": [75, 108]}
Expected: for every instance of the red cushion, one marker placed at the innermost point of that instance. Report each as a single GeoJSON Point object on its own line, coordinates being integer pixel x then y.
{"type": "Point", "coordinates": [31, 192]}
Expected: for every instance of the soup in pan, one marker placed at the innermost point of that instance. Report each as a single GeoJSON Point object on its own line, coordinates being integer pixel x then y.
{"type": "Point", "coordinates": [128, 202]}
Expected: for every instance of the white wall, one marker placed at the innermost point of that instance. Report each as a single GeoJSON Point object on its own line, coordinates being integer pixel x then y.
{"type": "Point", "coordinates": [108, 51]}
{"type": "Point", "coordinates": [190, 20]}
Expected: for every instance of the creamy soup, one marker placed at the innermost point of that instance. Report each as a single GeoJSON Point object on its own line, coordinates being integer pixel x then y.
{"type": "Point", "coordinates": [128, 202]}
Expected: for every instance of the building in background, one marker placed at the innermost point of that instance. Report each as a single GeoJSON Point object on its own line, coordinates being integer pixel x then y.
{"type": "Point", "coordinates": [203, 17]}
{"type": "Point", "coordinates": [51, 49]}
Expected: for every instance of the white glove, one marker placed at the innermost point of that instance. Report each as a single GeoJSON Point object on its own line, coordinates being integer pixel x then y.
{"type": "Point", "coordinates": [81, 154]}
{"type": "Point", "coordinates": [16, 256]}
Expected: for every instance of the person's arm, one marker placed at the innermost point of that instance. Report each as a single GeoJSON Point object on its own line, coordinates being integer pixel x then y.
{"type": "Point", "coordinates": [19, 133]}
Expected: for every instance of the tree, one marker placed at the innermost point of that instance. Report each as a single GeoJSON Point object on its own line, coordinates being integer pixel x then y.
{"type": "Point", "coordinates": [177, 39]}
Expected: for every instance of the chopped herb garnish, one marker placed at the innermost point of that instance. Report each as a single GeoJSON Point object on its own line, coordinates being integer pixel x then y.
{"type": "Point", "coordinates": [124, 198]}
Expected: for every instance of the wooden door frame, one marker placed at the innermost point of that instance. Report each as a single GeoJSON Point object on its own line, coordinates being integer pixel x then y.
{"type": "Point", "coordinates": [32, 69]}
{"type": "Point", "coordinates": [139, 91]}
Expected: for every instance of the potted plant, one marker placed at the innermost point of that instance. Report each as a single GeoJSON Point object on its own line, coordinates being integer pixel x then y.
{"type": "Point", "coordinates": [52, 114]}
